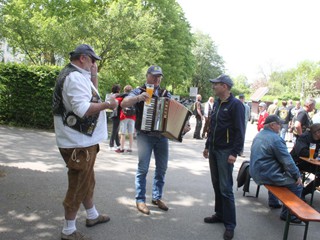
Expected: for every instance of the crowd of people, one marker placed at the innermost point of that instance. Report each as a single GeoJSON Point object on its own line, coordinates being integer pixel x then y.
{"type": "Point", "coordinates": [80, 125]}
{"type": "Point", "coordinates": [270, 160]}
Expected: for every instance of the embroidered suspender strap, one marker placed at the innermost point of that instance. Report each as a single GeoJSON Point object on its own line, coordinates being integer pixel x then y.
{"type": "Point", "coordinates": [57, 101]}
{"type": "Point", "coordinates": [85, 125]}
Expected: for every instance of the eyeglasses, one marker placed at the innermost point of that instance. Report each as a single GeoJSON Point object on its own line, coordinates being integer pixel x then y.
{"type": "Point", "coordinates": [157, 77]}
{"type": "Point", "coordinates": [92, 59]}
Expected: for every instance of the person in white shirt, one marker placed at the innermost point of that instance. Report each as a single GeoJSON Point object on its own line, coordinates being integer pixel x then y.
{"type": "Point", "coordinates": [207, 113]}
{"type": "Point", "coordinates": [80, 125]}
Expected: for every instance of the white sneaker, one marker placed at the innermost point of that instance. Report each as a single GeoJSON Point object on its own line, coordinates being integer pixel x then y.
{"type": "Point", "coordinates": [111, 148]}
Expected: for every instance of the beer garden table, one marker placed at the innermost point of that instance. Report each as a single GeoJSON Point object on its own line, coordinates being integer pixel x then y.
{"type": "Point", "coordinates": [316, 163]}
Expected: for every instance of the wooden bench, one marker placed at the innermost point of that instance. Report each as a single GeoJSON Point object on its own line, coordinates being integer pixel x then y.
{"type": "Point", "coordinates": [296, 206]}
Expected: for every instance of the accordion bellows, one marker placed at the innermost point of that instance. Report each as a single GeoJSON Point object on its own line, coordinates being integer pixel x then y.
{"type": "Point", "coordinates": [166, 116]}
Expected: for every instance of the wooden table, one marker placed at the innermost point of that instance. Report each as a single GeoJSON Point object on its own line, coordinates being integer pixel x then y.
{"type": "Point", "coordinates": [316, 163]}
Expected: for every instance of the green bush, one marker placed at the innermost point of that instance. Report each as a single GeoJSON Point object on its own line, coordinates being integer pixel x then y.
{"type": "Point", "coordinates": [26, 94]}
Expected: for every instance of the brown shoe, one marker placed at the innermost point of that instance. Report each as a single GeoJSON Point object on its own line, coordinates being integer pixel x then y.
{"type": "Point", "coordinates": [100, 219]}
{"type": "Point", "coordinates": [142, 207]}
{"type": "Point", "coordinates": [160, 204]}
{"type": "Point", "coordinates": [74, 236]}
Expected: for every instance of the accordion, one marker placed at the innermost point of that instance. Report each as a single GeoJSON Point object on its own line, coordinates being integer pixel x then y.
{"type": "Point", "coordinates": [166, 116]}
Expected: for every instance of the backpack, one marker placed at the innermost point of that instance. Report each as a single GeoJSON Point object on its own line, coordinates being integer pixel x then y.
{"type": "Point", "coordinates": [244, 177]}
{"type": "Point", "coordinates": [129, 111]}
{"type": "Point", "coordinates": [194, 109]}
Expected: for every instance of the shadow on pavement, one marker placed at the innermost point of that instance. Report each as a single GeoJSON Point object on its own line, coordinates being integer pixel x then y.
{"type": "Point", "coordinates": [33, 183]}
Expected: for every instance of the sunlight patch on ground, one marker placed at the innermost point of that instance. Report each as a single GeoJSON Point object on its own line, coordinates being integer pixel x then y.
{"type": "Point", "coordinates": [125, 201]}
{"type": "Point", "coordinates": [198, 169]}
{"type": "Point", "coordinates": [45, 226]}
{"type": "Point", "coordinates": [5, 229]}
{"type": "Point", "coordinates": [186, 201]}
{"type": "Point", "coordinates": [36, 166]}
{"type": "Point", "coordinates": [25, 217]}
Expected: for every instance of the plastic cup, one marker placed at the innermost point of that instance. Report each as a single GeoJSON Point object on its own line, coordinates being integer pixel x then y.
{"type": "Point", "coordinates": [149, 90]}
{"type": "Point", "coordinates": [312, 149]}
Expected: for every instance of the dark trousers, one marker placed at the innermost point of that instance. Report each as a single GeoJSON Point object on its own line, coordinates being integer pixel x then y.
{"type": "Point", "coordinates": [205, 130]}
{"type": "Point", "coordinates": [115, 132]}
{"type": "Point", "coordinates": [198, 128]}
{"type": "Point", "coordinates": [222, 181]}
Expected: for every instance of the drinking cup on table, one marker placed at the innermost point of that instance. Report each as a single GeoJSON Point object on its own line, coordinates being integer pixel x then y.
{"type": "Point", "coordinates": [312, 149]}
{"type": "Point", "coordinates": [149, 90]}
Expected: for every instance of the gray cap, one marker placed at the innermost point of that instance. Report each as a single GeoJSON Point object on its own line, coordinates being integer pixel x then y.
{"type": "Point", "coordinates": [223, 79]}
{"type": "Point", "coordinates": [272, 118]}
{"type": "Point", "coordinates": [262, 104]}
{"type": "Point", "coordinates": [155, 70]}
{"type": "Point", "coordinates": [85, 49]}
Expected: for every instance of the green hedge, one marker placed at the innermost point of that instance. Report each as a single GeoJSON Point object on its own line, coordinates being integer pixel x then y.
{"type": "Point", "coordinates": [26, 94]}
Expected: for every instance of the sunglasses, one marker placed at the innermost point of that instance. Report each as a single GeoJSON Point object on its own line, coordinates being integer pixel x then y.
{"type": "Point", "coordinates": [92, 59]}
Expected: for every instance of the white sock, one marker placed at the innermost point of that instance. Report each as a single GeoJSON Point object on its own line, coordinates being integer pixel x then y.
{"type": "Point", "coordinates": [92, 213]}
{"type": "Point", "coordinates": [69, 226]}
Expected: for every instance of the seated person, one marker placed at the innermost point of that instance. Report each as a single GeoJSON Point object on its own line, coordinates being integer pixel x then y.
{"type": "Point", "coordinates": [271, 163]}
{"type": "Point", "coordinates": [301, 149]}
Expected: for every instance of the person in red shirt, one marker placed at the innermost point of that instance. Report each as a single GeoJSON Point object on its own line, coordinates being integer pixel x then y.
{"type": "Point", "coordinates": [262, 115]}
{"type": "Point", "coordinates": [127, 122]}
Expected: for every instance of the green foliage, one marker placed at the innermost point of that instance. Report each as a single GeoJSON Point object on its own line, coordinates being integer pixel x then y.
{"type": "Point", "coordinates": [241, 86]}
{"type": "Point", "coordinates": [173, 31]}
{"type": "Point", "coordinates": [26, 95]}
{"type": "Point", "coordinates": [208, 64]}
{"type": "Point", "coordinates": [128, 35]}
{"type": "Point", "coordinates": [298, 83]}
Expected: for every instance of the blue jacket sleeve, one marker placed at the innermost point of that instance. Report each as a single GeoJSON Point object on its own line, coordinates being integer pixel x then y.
{"type": "Point", "coordinates": [239, 128]}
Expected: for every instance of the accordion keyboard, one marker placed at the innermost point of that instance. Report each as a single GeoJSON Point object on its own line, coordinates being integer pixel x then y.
{"type": "Point", "coordinates": [147, 117]}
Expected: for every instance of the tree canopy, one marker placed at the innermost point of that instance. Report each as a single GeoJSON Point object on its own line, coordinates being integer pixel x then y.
{"type": "Point", "coordinates": [208, 63]}
{"type": "Point", "coordinates": [128, 35]}
{"type": "Point", "coordinates": [131, 35]}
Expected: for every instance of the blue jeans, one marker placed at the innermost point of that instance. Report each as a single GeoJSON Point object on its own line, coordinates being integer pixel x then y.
{"type": "Point", "coordinates": [283, 131]}
{"type": "Point", "coordinates": [296, 189]}
{"type": "Point", "coordinates": [222, 181]}
{"type": "Point", "coordinates": [159, 146]}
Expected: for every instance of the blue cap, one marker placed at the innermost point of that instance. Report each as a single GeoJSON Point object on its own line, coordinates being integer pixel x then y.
{"type": "Point", "coordinates": [155, 70]}
{"type": "Point", "coordinates": [223, 79]}
{"type": "Point", "coordinates": [85, 49]}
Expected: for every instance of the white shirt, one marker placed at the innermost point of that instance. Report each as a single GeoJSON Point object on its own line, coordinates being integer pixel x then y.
{"type": "Point", "coordinates": [76, 96]}
{"type": "Point", "coordinates": [206, 108]}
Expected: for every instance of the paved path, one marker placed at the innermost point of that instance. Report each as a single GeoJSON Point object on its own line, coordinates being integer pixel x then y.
{"type": "Point", "coordinates": [33, 183]}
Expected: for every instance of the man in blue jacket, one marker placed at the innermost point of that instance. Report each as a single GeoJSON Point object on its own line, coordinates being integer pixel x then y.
{"type": "Point", "coordinates": [223, 145]}
{"type": "Point", "coordinates": [271, 163]}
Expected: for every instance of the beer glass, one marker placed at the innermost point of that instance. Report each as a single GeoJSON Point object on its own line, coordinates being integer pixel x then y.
{"type": "Point", "coordinates": [312, 149]}
{"type": "Point", "coordinates": [149, 90]}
